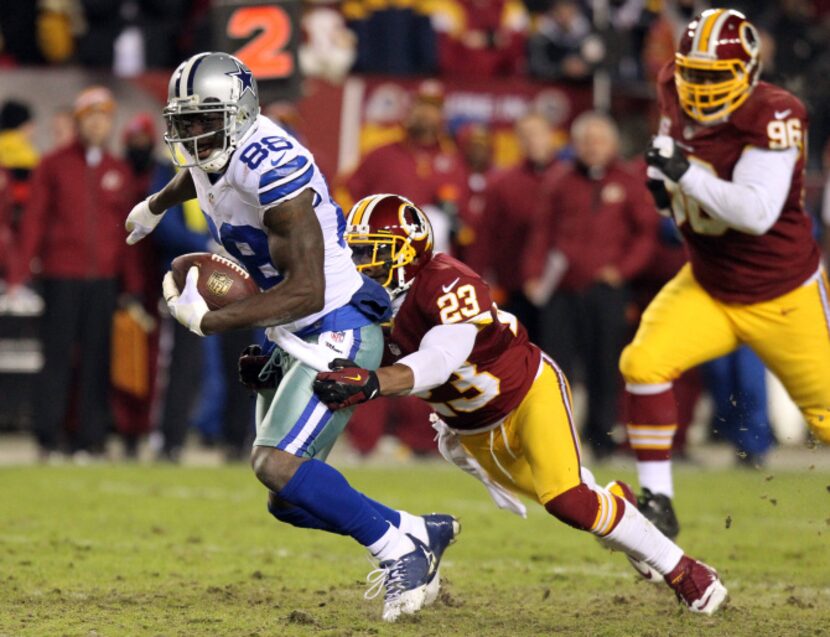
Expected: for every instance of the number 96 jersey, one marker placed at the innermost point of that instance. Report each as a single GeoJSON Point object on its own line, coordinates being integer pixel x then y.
{"type": "Point", "coordinates": [503, 363]}
{"type": "Point", "coordinates": [733, 266]}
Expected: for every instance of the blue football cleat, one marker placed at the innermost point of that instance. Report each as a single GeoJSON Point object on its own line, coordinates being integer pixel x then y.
{"type": "Point", "coordinates": [442, 530]}
{"type": "Point", "coordinates": [405, 581]}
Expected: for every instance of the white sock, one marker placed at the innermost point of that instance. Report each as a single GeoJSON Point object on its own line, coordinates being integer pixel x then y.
{"type": "Point", "coordinates": [414, 525]}
{"type": "Point", "coordinates": [640, 539]}
{"type": "Point", "coordinates": [655, 475]}
{"type": "Point", "coordinates": [391, 545]}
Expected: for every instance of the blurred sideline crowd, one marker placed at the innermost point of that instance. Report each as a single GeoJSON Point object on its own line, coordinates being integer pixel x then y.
{"type": "Point", "coordinates": [568, 237]}
{"type": "Point", "coordinates": [549, 40]}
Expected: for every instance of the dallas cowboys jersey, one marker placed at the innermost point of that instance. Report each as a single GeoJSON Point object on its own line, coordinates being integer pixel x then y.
{"type": "Point", "coordinates": [268, 168]}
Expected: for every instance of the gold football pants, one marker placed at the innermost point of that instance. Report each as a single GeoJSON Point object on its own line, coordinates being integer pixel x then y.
{"type": "Point", "coordinates": [684, 326]}
{"type": "Point", "coordinates": [535, 451]}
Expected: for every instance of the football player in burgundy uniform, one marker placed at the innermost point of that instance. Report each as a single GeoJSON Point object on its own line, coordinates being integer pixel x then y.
{"type": "Point", "coordinates": [727, 165]}
{"type": "Point", "coordinates": [505, 406]}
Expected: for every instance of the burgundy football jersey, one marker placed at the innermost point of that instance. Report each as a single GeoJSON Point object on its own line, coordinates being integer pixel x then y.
{"type": "Point", "coordinates": [734, 266]}
{"type": "Point", "coordinates": [503, 364]}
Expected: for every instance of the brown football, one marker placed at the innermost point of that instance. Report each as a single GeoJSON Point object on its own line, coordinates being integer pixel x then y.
{"type": "Point", "coordinates": [221, 281]}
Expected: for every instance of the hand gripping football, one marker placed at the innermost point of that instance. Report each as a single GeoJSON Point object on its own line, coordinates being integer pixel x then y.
{"type": "Point", "coordinates": [221, 281]}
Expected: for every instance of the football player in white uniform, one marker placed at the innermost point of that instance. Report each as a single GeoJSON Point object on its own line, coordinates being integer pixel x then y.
{"type": "Point", "coordinates": [268, 204]}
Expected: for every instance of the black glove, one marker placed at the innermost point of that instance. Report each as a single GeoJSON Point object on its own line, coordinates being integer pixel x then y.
{"type": "Point", "coordinates": [657, 188]}
{"type": "Point", "coordinates": [673, 167]}
{"type": "Point", "coordinates": [251, 363]}
{"type": "Point", "coordinates": [346, 385]}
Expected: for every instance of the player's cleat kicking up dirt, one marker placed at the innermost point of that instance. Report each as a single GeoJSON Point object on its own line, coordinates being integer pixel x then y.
{"type": "Point", "coordinates": [697, 586]}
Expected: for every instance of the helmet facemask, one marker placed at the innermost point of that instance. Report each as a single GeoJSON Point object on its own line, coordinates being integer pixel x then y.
{"type": "Point", "coordinates": [200, 135]}
{"type": "Point", "coordinates": [382, 256]}
{"type": "Point", "coordinates": [710, 90]}
{"type": "Point", "coordinates": [717, 65]}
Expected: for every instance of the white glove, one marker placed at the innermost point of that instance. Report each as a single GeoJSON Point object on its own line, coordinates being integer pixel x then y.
{"type": "Point", "coordinates": [141, 222]}
{"type": "Point", "coordinates": [187, 307]}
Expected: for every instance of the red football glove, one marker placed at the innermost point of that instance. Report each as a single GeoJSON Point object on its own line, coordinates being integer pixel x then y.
{"type": "Point", "coordinates": [347, 385]}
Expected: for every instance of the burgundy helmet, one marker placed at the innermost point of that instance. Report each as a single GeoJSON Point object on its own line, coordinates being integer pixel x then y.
{"type": "Point", "coordinates": [390, 238]}
{"type": "Point", "coordinates": [717, 64]}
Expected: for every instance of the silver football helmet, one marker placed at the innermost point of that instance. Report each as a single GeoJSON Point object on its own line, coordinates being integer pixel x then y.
{"type": "Point", "coordinates": [212, 104]}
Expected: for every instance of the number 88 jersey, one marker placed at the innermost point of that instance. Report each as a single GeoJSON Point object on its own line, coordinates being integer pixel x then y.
{"type": "Point", "coordinates": [269, 168]}
{"type": "Point", "coordinates": [503, 363]}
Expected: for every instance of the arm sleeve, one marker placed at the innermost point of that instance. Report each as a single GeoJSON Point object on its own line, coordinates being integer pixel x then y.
{"type": "Point", "coordinates": [443, 349]}
{"type": "Point", "coordinates": [753, 200]}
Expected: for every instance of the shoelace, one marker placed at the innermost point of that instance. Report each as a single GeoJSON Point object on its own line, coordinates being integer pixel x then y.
{"type": "Point", "coordinates": [390, 576]}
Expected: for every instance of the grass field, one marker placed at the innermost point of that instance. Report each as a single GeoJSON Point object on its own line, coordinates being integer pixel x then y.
{"type": "Point", "coordinates": [154, 550]}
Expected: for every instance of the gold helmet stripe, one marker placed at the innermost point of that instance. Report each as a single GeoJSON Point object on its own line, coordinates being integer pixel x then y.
{"type": "Point", "coordinates": [360, 210]}
{"type": "Point", "coordinates": [704, 32]}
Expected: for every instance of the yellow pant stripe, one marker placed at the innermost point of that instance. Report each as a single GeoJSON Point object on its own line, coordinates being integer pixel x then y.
{"type": "Point", "coordinates": [606, 514]}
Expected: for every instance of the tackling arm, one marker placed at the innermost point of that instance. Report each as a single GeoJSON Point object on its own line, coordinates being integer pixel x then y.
{"type": "Point", "coordinates": [295, 241]}
{"type": "Point", "coordinates": [443, 349]}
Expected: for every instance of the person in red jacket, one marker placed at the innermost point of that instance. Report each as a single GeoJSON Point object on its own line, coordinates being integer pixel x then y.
{"type": "Point", "coordinates": [425, 166]}
{"type": "Point", "coordinates": [73, 227]}
{"type": "Point", "coordinates": [511, 203]}
{"type": "Point", "coordinates": [597, 227]}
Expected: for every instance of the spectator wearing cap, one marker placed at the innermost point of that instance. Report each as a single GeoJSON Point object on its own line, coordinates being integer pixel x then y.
{"type": "Point", "coordinates": [73, 229]}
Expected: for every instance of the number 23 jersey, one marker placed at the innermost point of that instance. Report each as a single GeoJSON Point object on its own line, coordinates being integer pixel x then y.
{"type": "Point", "coordinates": [503, 363]}
{"type": "Point", "coordinates": [734, 266]}
{"type": "Point", "coordinates": [271, 167]}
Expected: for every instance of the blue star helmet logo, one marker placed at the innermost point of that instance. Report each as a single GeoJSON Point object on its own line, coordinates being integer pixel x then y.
{"type": "Point", "coordinates": [244, 76]}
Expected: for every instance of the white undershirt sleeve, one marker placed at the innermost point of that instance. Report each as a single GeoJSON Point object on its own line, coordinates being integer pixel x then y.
{"type": "Point", "coordinates": [753, 200]}
{"type": "Point", "coordinates": [443, 349]}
